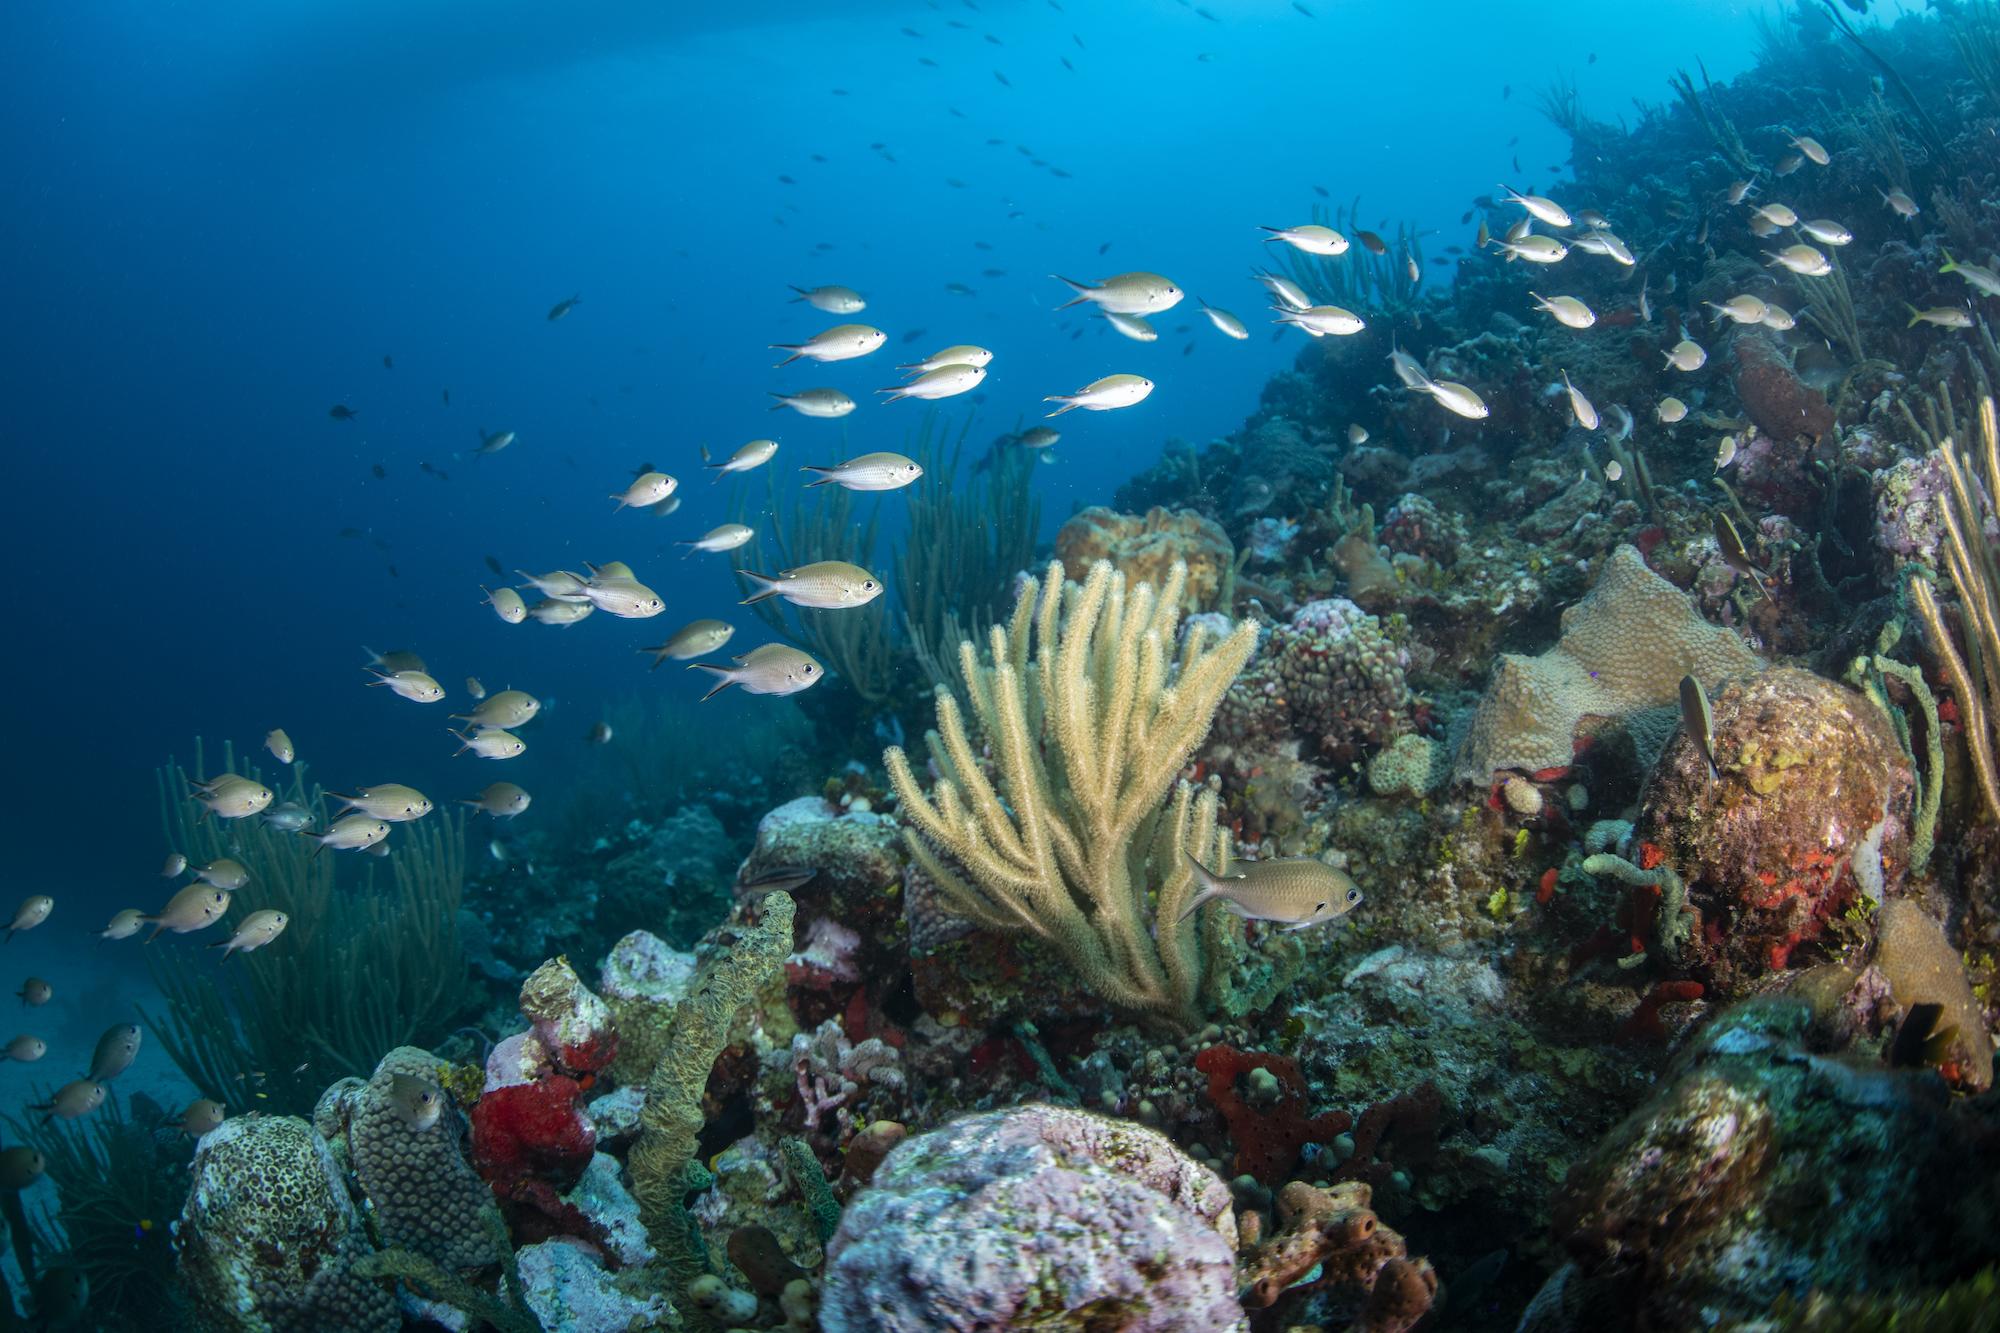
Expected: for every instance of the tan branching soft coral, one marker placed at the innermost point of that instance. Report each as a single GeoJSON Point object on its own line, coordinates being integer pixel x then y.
{"type": "Point", "coordinates": [1623, 651]}
{"type": "Point", "coordinates": [1067, 819]}
{"type": "Point", "coordinates": [1360, 1261]}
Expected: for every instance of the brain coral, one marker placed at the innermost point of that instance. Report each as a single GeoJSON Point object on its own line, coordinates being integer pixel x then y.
{"type": "Point", "coordinates": [268, 1233]}
{"type": "Point", "coordinates": [427, 1197]}
{"type": "Point", "coordinates": [1036, 1216]}
{"type": "Point", "coordinates": [1145, 549]}
{"type": "Point", "coordinates": [1623, 651]}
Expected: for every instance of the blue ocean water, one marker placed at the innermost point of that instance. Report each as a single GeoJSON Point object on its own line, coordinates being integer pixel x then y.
{"type": "Point", "coordinates": [224, 217]}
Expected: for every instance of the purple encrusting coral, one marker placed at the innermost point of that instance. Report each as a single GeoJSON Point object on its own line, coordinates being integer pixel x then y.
{"type": "Point", "coordinates": [1038, 1215]}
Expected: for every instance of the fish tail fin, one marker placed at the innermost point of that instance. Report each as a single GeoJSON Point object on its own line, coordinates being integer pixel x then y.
{"type": "Point", "coordinates": [895, 394]}
{"type": "Point", "coordinates": [803, 294]}
{"type": "Point", "coordinates": [766, 587]}
{"type": "Point", "coordinates": [1081, 289]}
{"type": "Point", "coordinates": [1210, 889]}
{"type": "Point", "coordinates": [780, 403]}
{"type": "Point", "coordinates": [793, 348]}
{"type": "Point", "coordinates": [1916, 315]}
{"type": "Point", "coordinates": [1068, 405]}
{"type": "Point", "coordinates": [1950, 265]}
{"type": "Point", "coordinates": [727, 674]}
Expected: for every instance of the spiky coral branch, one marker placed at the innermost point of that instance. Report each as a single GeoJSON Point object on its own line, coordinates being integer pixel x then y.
{"type": "Point", "coordinates": [1087, 717]}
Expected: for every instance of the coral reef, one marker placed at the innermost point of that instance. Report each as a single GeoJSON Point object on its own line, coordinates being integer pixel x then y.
{"type": "Point", "coordinates": [1809, 808]}
{"type": "Point", "coordinates": [1038, 1213]}
{"type": "Point", "coordinates": [1145, 549]}
{"type": "Point", "coordinates": [1093, 662]}
{"type": "Point", "coordinates": [531, 1138]}
{"type": "Point", "coordinates": [1623, 651]}
{"type": "Point", "coordinates": [1738, 1177]}
{"type": "Point", "coordinates": [1331, 675]}
{"type": "Point", "coordinates": [269, 1236]}
{"type": "Point", "coordinates": [1330, 1242]}
{"type": "Point", "coordinates": [427, 1199]}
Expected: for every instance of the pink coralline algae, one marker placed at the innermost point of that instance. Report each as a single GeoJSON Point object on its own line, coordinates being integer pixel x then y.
{"type": "Point", "coordinates": [1036, 1215]}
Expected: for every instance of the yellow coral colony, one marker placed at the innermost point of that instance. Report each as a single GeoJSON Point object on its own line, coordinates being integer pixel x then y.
{"type": "Point", "coordinates": [1087, 717]}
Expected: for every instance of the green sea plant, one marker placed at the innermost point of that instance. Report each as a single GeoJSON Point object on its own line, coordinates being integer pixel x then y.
{"type": "Point", "coordinates": [810, 1179]}
{"type": "Point", "coordinates": [1707, 111]}
{"type": "Point", "coordinates": [1083, 835]}
{"type": "Point", "coordinates": [1871, 675]}
{"type": "Point", "coordinates": [1359, 278]}
{"type": "Point", "coordinates": [665, 1163]}
{"type": "Point", "coordinates": [968, 536]}
{"type": "Point", "coordinates": [362, 968]}
{"type": "Point", "coordinates": [1974, 568]}
{"type": "Point", "coordinates": [115, 1194]}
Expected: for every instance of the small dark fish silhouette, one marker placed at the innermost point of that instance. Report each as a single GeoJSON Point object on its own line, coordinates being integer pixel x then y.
{"type": "Point", "coordinates": [393, 574]}
{"type": "Point", "coordinates": [913, 335]}
{"type": "Point", "coordinates": [926, 60]}
{"type": "Point", "coordinates": [496, 567]}
{"type": "Point", "coordinates": [786, 180]}
{"type": "Point", "coordinates": [1517, 164]}
{"type": "Point", "coordinates": [1320, 190]}
{"type": "Point", "coordinates": [388, 362]}
{"type": "Point", "coordinates": [911, 32]}
{"type": "Point", "coordinates": [380, 472]}
{"type": "Point", "coordinates": [1004, 83]}
{"type": "Point", "coordinates": [1066, 65]}
{"type": "Point", "coordinates": [994, 40]}
{"type": "Point", "coordinates": [342, 412]}
{"type": "Point", "coordinates": [1506, 91]}
{"type": "Point", "coordinates": [350, 532]}
{"type": "Point", "coordinates": [1102, 248]}
{"type": "Point", "coordinates": [556, 312]}
{"type": "Point", "coordinates": [778, 878]}
{"type": "Point", "coordinates": [1592, 60]}
{"type": "Point", "coordinates": [1296, 4]}
{"type": "Point", "coordinates": [982, 245]}
{"type": "Point", "coordinates": [447, 397]}
{"type": "Point", "coordinates": [1375, 244]}
{"type": "Point", "coordinates": [819, 157]}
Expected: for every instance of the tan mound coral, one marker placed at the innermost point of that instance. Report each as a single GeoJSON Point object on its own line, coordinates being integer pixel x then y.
{"type": "Point", "coordinates": [1145, 548]}
{"type": "Point", "coordinates": [1623, 651]}
{"type": "Point", "coordinates": [1921, 967]}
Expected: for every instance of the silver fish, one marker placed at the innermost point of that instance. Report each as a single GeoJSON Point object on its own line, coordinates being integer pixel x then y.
{"type": "Point", "coordinates": [289, 817]}
{"type": "Point", "coordinates": [868, 472]}
{"type": "Point", "coordinates": [255, 931]}
{"type": "Point", "coordinates": [116, 1050]}
{"type": "Point", "coordinates": [823, 585]}
{"type": "Point", "coordinates": [415, 1102]}
{"type": "Point", "coordinates": [772, 668]}
{"type": "Point", "coordinates": [1298, 891]}
{"type": "Point", "coordinates": [697, 638]}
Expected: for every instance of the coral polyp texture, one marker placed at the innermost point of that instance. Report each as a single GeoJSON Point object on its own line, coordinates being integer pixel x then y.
{"type": "Point", "coordinates": [1623, 651]}
{"type": "Point", "coordinates": [269, 1234]}
{"type": "Point", "coordinates": [1040, 1215]}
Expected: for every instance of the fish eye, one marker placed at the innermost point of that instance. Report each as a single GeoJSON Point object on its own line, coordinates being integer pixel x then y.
{"type": "Point", "coordinates": [1353, 897]}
